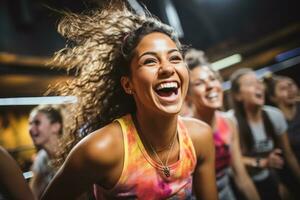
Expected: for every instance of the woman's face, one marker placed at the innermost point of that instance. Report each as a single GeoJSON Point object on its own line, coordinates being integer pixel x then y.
{"type": "Point", "coordinates": [286, 92]}
{"type": "Point", "coordinates": [205, 89]}
{"type": "Point", "coordinates": [40, 128]}
{"type": "Point", "coordinates": [159, 77]}
{"type": "Point", "coordinates": [251, 91]}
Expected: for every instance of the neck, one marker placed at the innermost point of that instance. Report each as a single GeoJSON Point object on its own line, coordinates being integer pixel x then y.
{"type": "Point", "coordinates": [288, 110]}
{"type": "Point", "coordinates": [254, 113]}
{"type": "Point", "coordinates": [51, 147]}
{"type": "Point", "coordinates": [208, 116]}
{"type": "Point", "coordinates": [157, 130]}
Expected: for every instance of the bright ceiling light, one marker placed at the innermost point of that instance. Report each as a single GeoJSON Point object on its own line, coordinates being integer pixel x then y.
{"type": "Point", "coordinates": [37, 100]}
{"type": "Point", "coordinates": [226, 62]}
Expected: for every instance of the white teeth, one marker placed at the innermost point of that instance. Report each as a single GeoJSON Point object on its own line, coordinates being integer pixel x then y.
{"type": "Point", "coordinates": [167, 85]}
{"type": "Point", "coordinates": [258, 94]}
{"type": "Point", "coordinates": [212, 95]}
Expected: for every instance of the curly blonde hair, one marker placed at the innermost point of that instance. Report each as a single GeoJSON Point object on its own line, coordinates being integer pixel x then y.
{"type": "Point", "coordinates": [100, 48]}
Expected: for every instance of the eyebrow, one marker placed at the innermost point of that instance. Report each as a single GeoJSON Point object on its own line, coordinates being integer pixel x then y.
{"type": "Point", "coordinates": [154, 53]}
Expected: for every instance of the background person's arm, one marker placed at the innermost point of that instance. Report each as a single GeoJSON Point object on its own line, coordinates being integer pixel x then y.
{"type": "Point", "coordinates": [241, 177]}
{"type": "Point", "coordinates": [289, 156]}
{"type": "Point", "coordinates": [11, 178]}
{"type": "Point", "coordinates": [37, 185]}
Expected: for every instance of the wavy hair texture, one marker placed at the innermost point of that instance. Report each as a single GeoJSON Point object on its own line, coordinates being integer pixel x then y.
{"type": "Point", "coordinates": [100, 47]}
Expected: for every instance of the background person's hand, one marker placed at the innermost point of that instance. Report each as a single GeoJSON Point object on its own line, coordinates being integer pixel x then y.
{"type": "Point", "coordinates": [275, 160]}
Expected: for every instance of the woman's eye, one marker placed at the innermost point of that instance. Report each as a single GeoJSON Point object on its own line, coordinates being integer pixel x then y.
{"type": "Point", "coordinates": [213, 78]}
{"type": "Point", "coordinates": [198, 83]}
{"type": "Point", "coordinates": [149, 61]}
{"type": "Point", "coordinates": [175, 58]}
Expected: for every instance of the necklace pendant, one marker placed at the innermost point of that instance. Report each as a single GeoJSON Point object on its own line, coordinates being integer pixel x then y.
{"type": "Point", "coordinates": [166, 171]}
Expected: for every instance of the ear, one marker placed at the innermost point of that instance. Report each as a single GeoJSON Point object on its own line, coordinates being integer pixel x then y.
{"type": "Point", "coordinates": [56, 127]}
{"type": "Point", "coordinates": [126, 84]}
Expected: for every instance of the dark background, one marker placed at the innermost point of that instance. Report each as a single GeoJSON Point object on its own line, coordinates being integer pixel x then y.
{"type": "Point", "coordinates": [259, 30]}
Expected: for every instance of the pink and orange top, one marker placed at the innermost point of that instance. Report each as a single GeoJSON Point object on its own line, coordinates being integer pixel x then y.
{"type": "Point", "coordinates": [222, 139]}
{"type": "Point", "coordinates": [142, 177]}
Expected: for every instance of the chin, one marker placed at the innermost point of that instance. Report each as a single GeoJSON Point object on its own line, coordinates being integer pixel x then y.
{"type": "Point", "coordinates": [171, 109]}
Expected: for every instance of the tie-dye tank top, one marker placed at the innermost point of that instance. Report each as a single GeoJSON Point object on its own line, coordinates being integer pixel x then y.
{"type": "Point", "coordinates": [222, 139]}
{"type": "Point", "coordinates": [142, 177]}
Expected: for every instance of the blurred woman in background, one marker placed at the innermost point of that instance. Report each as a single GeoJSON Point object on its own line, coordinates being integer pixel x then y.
{"type": "Point", "coordinates": [264, 142]}
{"type": "Point", "coordinates": [45, 128]}
{"type": "Point", "coordinates": [282, 92]}
{"type": "Point", "coordinates": [205, 95]}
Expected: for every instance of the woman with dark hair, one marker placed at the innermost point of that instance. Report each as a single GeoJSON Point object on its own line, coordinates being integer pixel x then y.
{"type": "Point", "coordinates": [205, 94]}
{"type": "Point", "coordinates": [264, 142]}
{"type": "Point", "coordinates": [282, 92]}
{"type": "Point", "coordinates": [131, 85]}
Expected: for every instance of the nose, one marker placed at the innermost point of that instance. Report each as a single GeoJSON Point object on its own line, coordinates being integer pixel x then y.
{"type": "Point", "coordinates": [166, 70]}
{"type": "Point", "coordinates": [209, 84]}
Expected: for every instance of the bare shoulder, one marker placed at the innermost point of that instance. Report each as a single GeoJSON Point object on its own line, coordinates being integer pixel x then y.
{"type": "Point", "coordinates": [227, 116]}
{"type": "Point", "coordinates": [102, 148]}
{"type": "Point", "coordinates": [197, 129]}
{"type": "Point", "coordinates": [200, 133]}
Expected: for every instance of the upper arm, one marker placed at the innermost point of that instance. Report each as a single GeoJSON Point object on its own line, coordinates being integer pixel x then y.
{"type": "Point", "coordinates": [12, 179]}
{"type": "Point", "coordinates": [204, 178]}
{"type": "Point", "coordinates": [88, 163]}
{"type": "Point", "coordinates": [37, 184]}
{"type": "Point", "coordinates": [236, 155]}
{"type": "Point", "coordinates": [284, 142]}
{"type": "Point", "coordinates": [39, 181]}
{"type": "Point", "coordinates": [277, 119]}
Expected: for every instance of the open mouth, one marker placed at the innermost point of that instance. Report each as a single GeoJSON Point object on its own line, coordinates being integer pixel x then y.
{"type": "Point", "coordinates": [167, 89]}
{"type": "Point", "coordinates": [212, 96]}
{"type": "Point", "coordinates": [259, 95]}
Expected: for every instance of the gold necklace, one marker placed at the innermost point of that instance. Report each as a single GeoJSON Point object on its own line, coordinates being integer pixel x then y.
{"type": "Point", "coordinates": [165, 169]}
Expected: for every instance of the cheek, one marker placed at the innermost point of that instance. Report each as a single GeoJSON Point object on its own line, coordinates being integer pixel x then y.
{"type": "Point", "coordinates": [198, 94]}
{"type": "Point", "coordinates": [182, 70]}
{"type": "Point", "coordinates": [219, 87]}
{"type": "Point", "coordinates": [143, 78]}
{"type": "Point", "coordinates": [245, 92]}
{"type": "Point", "coordinates": [186, 74]}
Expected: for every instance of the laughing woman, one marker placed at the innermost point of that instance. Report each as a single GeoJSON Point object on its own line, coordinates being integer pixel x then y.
{"type": "Point", "coordinates": [206, 96]}
{"type": "Point", "coordinates": [282, 91]}
{"type": "Point", "coordinates": [132, 84]}
{"type": "Point", "coordinates": [264, 140]}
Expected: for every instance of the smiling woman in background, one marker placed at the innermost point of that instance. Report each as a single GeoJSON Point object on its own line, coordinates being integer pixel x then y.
{"type": "Point", "coordinates": [45, 129]}
{"type": "Point", "coordinates": [205, 94]}
{"type": "Point", "coordinates": [264, 142]}
{"type": "Point", "coordinates": [282, 92]}
{"type": "Point", "coordinates": [132, 84]}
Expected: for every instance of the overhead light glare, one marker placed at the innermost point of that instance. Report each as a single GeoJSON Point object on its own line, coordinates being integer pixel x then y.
{"type": "Point", "coordinates": [37, 100]}
{"type": "Point", "coordinates": [226, 62]}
